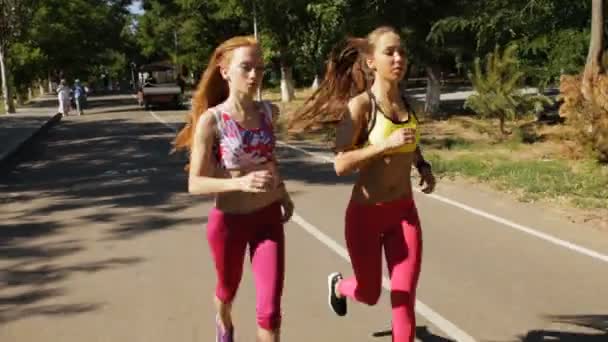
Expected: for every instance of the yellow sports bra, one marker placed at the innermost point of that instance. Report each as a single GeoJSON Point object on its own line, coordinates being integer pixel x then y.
{"type": "Point", "coordinates": [380, 127]}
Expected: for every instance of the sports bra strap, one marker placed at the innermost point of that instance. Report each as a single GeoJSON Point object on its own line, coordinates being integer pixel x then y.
{"type": "Point", "coordinates": [217, 113]}
{"type": "Point", "coordinates": [371, 116]}
{"type": "Point", "coordinates": [370, 119]}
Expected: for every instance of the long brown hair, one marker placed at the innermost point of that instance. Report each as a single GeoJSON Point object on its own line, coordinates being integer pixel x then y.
{"type": "Point", "coordinates": [347, 75]}
{"type": "Point", "coordinates": [212, 89]}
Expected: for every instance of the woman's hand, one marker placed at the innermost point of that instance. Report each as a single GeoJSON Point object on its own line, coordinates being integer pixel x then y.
{"type": "Point", "coordinates": [257, 181]}
{"type": "Point", "coordinates": [400, 137]}
{"type": "Point", "coordinates": [427, 177]}
{"type": "Point", "coordinates": [287, 206]}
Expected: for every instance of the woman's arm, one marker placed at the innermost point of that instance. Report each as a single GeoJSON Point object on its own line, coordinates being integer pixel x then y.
{"type": "Point", "coordinates": [349, 158]}
{"type": "Point", "coordinates": [419, 160]}
{"type": "Point", "coordinates": [202, 165]}
{"type": "Point", "coordinates": [427, 179]}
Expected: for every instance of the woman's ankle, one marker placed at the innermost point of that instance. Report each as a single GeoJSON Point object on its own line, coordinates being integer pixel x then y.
{"type": "Point", "coordinates": [337, 289]}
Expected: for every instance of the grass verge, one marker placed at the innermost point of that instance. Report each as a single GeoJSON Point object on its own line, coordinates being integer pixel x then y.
{"type": "Point", "coordinates": [582, 184]}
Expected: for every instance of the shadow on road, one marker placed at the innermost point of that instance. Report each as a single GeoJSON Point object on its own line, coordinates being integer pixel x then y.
{"type": "Point", "coordinates": [422, 334]}
{"type": "Point", "coordinates": [114, 177]}
{"type": "Point", "coordinates": [598, 323]}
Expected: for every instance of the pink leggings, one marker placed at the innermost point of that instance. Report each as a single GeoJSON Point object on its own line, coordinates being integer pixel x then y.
{"type": "Point", "coordinates": [228, 236]}
{"type": "Point", "coordinates": [394, 225]}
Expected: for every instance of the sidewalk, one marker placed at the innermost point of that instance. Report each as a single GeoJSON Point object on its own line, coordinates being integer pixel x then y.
{"type": "Point", "coordinates": [19, 128]}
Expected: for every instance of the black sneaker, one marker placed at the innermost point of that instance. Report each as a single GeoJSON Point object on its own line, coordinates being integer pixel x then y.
{"type": "Point", "coordinates": [336, 304]}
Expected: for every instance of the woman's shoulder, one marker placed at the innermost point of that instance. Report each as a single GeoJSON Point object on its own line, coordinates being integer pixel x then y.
{"type": "Point", "coordinates": [360, 105]}
{"type": "Point", "coordinates": [208, 119]}
{"type": "Point", "coordinates": [362, 99]}
{"type": "Point", "coordinates": [217, 108]}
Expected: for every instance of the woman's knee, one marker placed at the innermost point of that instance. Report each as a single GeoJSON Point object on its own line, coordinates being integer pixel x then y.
{"type": "Point", "coordinates": [225, 293]}
{"type": "Point", "coordinates": [269, 320]}
{"type": "Point", "coordinates": [368, 293]}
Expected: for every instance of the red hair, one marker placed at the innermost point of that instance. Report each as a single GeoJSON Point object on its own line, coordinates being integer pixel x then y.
{"type": "Point", "coordinates": [212, 89]}
{"type": "Point", "coordinates": [347, 75]}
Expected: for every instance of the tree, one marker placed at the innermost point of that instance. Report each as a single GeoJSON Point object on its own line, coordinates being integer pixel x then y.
{"type": "Point", "coordinates": [13, 17]}
{"type": "Point", "coordinates": [157, 28]}
{"type": "Point", "coordinates": [434, 58]}
{"type": "Point", "coordinates": [187, 31]}
{"type": "Point", "coordinates": [585, 98]}
{"type": "Point", "coordinates": [281, 23]}
{"type": "Point", "coordinates": [9, 106]}
{"type": "Point", "coordinates": [325, 28]}
{"type": "Point", "coordinates": [551, 34]}
{"type": "Point", "coordinates": [415, 20]}
{"type": "Point", "coordinates": [80, 36]}
{"type": "Point", "coordinates": [593, 66]}
{"type": "Point", "coordinates": [498, 88]}
{"type": "Point", "coordinates": [25, 65]}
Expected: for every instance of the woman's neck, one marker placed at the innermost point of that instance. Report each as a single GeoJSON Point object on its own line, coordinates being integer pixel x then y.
{"type": "Point", "coordinates": [243, 104]}
{"type": "Point", "coordinates": [385, 90]}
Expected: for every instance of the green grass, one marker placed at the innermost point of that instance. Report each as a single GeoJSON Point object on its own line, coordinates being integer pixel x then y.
{"type": "Point", "coordinates": [585, 187]}
{"type": "Point", "coordinates": [2, 111]}
{"type": "Point", "coordinates": [483, 127]}
{"type": "Point", "coordinates": [447, 143]}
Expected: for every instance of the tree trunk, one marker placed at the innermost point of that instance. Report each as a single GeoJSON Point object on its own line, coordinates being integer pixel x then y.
{"type": "Point", "coordinates": [315, 83]}
{"type": "Point", "coordinates": [287, 91]}
{"type": "Point", "coordinates": [315, 52]}
{"type": "Point", "coordinates": [433, 91]}
{"type": "Point", "coordinates": [30, 94]}
{"type": "Point", "coordinates": [503, 130]}
{"type": "Point", "coordinates": [50, 83]}
{"type": "Point", "coordinates": [41, 86]}
{"type": "Point", "coordinates": [593, 66]}
{"type": "Point", "coordinates": [258, 93]}
{"type": "Point", "coordinates": [9, 106]}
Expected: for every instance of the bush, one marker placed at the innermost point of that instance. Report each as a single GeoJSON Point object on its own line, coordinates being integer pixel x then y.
{"type": "Point", "coordinates": [590, 118]}
{"type": "Point", "coordinates": [498, 89]}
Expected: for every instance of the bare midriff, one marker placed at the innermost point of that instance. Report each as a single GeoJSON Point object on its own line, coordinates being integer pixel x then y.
{"type": "Point", "coordinates": [240, 202]}
{"type": "Point", "coordinates": [384, 179]}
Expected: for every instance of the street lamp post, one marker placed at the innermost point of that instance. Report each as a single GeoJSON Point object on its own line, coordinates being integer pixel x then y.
{"type": "Point", "coordinates": [255, 22]}
{"type": "Point", "coordinates": [176, 52]}
{"type": "Point", "coordinates": [255, 34]}
{"type": "Point", "coordinates": [133, 85]}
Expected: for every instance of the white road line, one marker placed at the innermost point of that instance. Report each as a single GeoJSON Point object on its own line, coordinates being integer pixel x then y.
{"type": "Point", "coordinates": [422, 309]}
{"type": "Point", "coordinates": [316, 155]}
{"type": "Point", "coordinates": [554, 240]}
{"type": "Point", "coordinates": [563, 243]}
{"type": "Point", "coordinates": [161, 120]}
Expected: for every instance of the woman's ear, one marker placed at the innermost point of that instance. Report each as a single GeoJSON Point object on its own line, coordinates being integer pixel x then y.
{"type": "Point", "coordinates": [224, 73]}
{"type": "Point", "coordinates": [370, 64]}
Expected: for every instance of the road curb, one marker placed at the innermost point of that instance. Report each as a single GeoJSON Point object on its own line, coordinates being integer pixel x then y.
{"type": "Point", "coordinates": [20, 145]}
